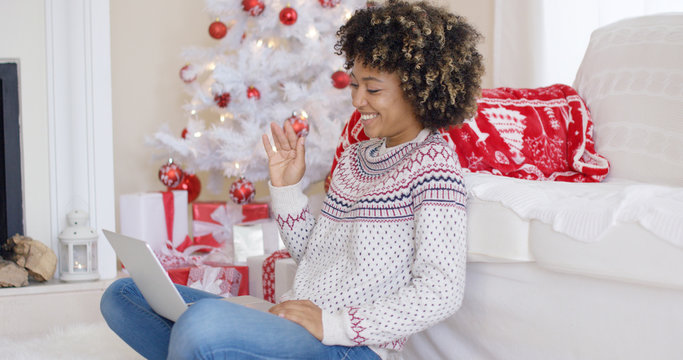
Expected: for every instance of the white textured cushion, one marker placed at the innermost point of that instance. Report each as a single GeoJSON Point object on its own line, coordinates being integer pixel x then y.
{"type": "Point", "coordinates": [631, 78]}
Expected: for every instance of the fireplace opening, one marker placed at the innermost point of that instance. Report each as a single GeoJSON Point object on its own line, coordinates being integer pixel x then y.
{"type": "Point", "coordinates": [11, 204]}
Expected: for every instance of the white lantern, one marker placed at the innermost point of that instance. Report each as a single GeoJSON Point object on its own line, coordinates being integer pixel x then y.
{"type": "Point", "coordinates": [78, 249]}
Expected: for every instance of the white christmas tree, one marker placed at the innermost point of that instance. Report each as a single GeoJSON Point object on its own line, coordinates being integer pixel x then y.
{"type": "Point", "coordinates": [273, 61]}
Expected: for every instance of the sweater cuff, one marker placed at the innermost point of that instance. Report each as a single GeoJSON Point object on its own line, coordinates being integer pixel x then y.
{"type": "Point", "coordinates": [334, 329]}
{"type": "Point", "coordinates": [287, 199]}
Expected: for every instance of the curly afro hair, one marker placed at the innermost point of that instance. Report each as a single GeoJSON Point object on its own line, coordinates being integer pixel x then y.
{"type": "Point", "coordinates": [432, 51]}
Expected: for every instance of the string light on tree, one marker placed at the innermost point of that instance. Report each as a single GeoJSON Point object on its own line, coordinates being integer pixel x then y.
{"type": "Point", "coordinates": [288, 16]}
{"type": "Point", "coordinates": [217, 29]}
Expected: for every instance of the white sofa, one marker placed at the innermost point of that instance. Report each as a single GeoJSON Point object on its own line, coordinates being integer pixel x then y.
{"type": "Point", "coordinates": [581, 271]}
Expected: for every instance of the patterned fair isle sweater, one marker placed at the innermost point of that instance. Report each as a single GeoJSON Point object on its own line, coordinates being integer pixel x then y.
{"type": "Point", "coordinates": [386, 257]}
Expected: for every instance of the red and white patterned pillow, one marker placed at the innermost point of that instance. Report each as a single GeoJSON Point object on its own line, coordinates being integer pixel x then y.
{"type": "Point", "coordinates": [538, 134]}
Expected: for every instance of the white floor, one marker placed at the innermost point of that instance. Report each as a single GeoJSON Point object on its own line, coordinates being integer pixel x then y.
{"type": "Point", "coordinates": [72, 342]}
{"type": "Point", "coordinates": [57, 320]}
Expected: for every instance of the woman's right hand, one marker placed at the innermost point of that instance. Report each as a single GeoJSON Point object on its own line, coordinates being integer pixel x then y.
{"type": "Point", "coordinates": [286, 160]}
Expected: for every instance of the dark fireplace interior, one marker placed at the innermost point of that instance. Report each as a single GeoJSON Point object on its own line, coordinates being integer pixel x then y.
{"type": "Point", "coordinates": [11, 206]}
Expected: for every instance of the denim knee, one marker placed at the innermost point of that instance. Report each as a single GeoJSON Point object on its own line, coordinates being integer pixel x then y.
{"type": "Point", "coordinates": [190, 333]}
{"type": "Point", "coordinates": [110, 303]}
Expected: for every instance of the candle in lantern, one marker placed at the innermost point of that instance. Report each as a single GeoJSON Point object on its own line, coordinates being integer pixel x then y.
{"type": "Point", "coordinates": [78, 249]}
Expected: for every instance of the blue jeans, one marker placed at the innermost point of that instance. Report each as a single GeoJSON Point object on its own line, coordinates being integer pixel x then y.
{"type": "Point", "coordinates": [212, 329]}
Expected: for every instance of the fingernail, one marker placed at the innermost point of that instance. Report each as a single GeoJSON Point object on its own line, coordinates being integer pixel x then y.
{"type": "Point", "coordinates": [281, 315]}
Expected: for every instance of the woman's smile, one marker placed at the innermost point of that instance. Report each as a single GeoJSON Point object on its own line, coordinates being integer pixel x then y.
{"type": "Point", "coordinates": [385, 111]}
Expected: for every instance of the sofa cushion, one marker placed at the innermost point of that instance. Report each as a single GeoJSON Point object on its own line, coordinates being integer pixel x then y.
{"type": "Point", "coordinates": [626, 252]}
{"type": "Point", "coordinates": [631, 78]}
{"type": "Point", "coordinates": [537, 134]}
{"type": "Point", "coordinates": [616, 229]}
{"type": "Point", "coordinates": [507, 241]}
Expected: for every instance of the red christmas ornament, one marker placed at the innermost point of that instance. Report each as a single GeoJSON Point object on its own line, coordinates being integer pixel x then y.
{"type": "Point", "coordinates": [340, 79]}
{"type": "Point", "coordinates": [170, 174]}
{"type": "Point", "coordinates": [299, 122]}
{"type": "Point", "coordinates": [191, 184]}
{"type": "Point", "coordinates": [217, 29]}
{"type": "Point", "coordinates": [187, 74]}
{"type": "Point", "coordinates": [253, 7]}
{"type": "Point", "coordinates": [222, 100]}
{"type": "Point", "coordinates": [242, 191]}
{"type": "Point", "coordinates": [253, 92]}
{"type": "Point", "coordinates": [288, 16]}
{"type": "Point", "coordinates": [329, 3]}
{"type": "Point", "coordinates": [184, 133]}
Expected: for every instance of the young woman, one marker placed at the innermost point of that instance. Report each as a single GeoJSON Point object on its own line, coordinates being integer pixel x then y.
{"type": "Point", "coordinates": [386, 258]}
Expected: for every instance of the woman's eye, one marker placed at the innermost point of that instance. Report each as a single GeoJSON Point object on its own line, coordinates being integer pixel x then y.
{"type": "Point", "coordinates": [355, 86]}
{"type": "Point", "coordinates": [371, 91]}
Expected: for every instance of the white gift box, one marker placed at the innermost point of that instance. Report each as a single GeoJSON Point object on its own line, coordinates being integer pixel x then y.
{"type": "Point", "coordinates": [142, 216]}
{"type": "Point", "coordinates": [255, 238]}
{"type": "Point", "coordinates": [285, 269]}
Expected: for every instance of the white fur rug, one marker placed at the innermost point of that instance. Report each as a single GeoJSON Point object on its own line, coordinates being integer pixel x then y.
{"type": "Point", "coordinates": [76, 342]}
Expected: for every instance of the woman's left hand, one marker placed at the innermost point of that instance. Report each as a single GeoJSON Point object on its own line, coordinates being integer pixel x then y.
{"type": "Point", "coordinates": [302, 312]}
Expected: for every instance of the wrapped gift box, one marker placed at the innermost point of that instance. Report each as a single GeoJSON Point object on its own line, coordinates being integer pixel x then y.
{"type": "Point", "coordinates": [181, 276]}
{"type": "Point", "coordinates": [212, 222]}
{"type": "Point", "coordinates": [284, 272]}
{"type": "Point", "coordinates": [223, 281]}
{"type": "Point", "coordinates": [151, 216]}
{"type": "Point", "coordinates": [255, 238]}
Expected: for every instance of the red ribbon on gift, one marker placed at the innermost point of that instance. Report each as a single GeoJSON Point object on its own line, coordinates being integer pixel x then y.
{"type": "Point", "coordinates": [169, 213]}
{"type": "Point", "coordinates": [255, 211]}
{"type": "Point", "coordinates": [269, 274]}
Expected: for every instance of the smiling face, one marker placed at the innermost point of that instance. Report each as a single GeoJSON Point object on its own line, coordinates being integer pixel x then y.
{"type": "Point", "coordinates": [385, 113]}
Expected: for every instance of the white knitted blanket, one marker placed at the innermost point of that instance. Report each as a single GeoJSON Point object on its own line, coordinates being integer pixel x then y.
{"type": "Point", "coordinates": [585, 211]}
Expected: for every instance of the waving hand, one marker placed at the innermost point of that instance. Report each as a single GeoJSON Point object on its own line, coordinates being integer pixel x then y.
{"type": "Point", "coordinates": [286, 161]}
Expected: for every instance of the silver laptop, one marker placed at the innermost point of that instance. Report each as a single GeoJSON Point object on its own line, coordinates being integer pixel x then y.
{"type": "Point", "coordinates": [153, 281]}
